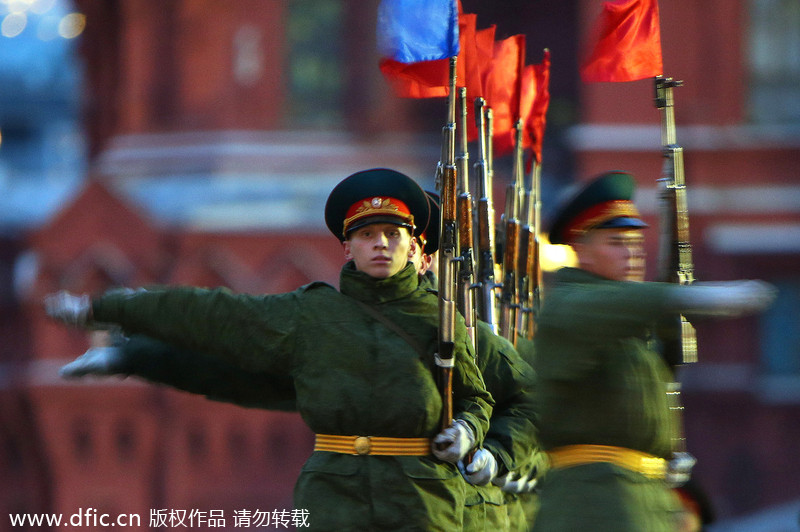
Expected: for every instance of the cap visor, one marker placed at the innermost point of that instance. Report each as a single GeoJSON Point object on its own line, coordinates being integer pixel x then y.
{"type": "Point", "coordinates": [621, 222]}
{"type": "Point", "coordinates": [394, 220]}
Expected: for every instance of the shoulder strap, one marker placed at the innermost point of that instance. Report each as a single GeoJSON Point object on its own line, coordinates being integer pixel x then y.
{"type": "Point", "coordinates": [375, 313]}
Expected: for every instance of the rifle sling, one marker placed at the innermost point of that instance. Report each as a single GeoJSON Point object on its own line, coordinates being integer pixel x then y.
{"type": "Point", "coordinates": [375, 313]}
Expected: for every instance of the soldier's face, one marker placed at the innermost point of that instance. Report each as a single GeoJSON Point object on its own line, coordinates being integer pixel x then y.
{"type": "Point", "coordinates": [616, 254]}
{"type": "Point", "coordinates": [380, 250]}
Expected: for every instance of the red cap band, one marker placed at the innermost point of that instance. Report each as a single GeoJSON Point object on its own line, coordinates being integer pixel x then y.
{"type": "Point", "coordinates": [599, 214]}
{"type": "Point", "coordinates": [376, 206]}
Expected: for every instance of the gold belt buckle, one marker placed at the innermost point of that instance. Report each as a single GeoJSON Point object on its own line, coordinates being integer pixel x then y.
{"type": "Point", "coordinates": [362, 445]}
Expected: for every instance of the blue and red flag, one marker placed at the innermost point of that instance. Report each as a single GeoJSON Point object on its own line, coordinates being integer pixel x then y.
{"type": "Point", "coordinates": [410, 31]}
{"type": "Point", "coordinates": [416, 38]}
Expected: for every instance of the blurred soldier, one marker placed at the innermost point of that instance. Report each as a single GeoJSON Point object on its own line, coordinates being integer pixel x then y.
{"type": "Point", "coordinates": [510, 443]}
{"type": "Point", "coordinates": [601, 392]}
{"type": "Point", "coordinates": [360, 359]}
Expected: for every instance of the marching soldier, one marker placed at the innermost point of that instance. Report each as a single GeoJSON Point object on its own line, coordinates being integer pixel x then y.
{"type": "Point", "coordinates": [601, 392]}
{"type": "Point", "coordinates": [360, 360]}
{"type": "Point", "coordinates": [510, 444]}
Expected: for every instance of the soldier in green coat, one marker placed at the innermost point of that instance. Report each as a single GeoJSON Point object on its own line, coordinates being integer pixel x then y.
{"type": "Point", "coordinates": [511, 435]}
{"type": "Point", "coordinates": [360, 359]}
{"type": "Point", "coordinates": [601, 392]}
{"type": "Point", "coordinates": [510, 443]}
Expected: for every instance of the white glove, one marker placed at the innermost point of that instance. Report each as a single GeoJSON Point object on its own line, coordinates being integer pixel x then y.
{"type": "Point", "coordinates": [513, 482]}
{"type": "Point", "coordinates": [482, 469]}
{"type": "Point", "coordinates": [69, 309]}
{"type": "Point", "coordinates": [679, 469]}
{"type": "Point", "coordinates": [103, 360]}
{"type": "Point", "coordinates": [454, 442]}
{"type": "Point", "coordinates": [727, 299]}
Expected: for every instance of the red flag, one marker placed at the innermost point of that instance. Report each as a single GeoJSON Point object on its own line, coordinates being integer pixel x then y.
{"type": "Point", "coordinates": [426, 79]}
{"type": "Point", "coordinates": [627, 43]}
{"type": "Point", "coordinates": [536, 120]}
{"type": "Point", "coordinates": [527, 97]}
{"type": "Point", "coordinates": [502, 91]}
{"type": "Point", "coordinates": [476, 58]}
{"type": "Point", "coordinates": [466, 55]}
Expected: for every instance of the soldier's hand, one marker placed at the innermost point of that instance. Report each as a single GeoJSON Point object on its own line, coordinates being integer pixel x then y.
{"type": "Point", "coordinates": [482, 469]}
{"type": "Point", "coordinates": [100, 361]}
{"type": "Point", "coordinates": [725, 298]}
{"type": "Point", "coordinates": [513, 482]}
{"type": "Point", "coordinates": [454, 442]}
{"type": "Point", "coordinates": [679, 469]}
{"type": "Point", "coordinates": [73, 310]}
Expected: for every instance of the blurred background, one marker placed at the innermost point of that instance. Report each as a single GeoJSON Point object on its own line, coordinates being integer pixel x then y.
{"type": "Point", "coordinates": [195, 142]}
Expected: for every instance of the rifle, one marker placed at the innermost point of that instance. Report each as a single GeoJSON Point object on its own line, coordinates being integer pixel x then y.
{"type": "Point", "coordinates": [446, 185]}
{"type": "Point", "coordinates": [677, 336]}
{"type": "Point", "coordinates": [531, 283]}
{"type": "Point", "coordinates": [509, 297]}
{"type": "Point", "coordinates": [679, 345]}
{"type": "Point", "coordinates": [486, 283]}
{"type": "Point", "coordinates": [466, 262]}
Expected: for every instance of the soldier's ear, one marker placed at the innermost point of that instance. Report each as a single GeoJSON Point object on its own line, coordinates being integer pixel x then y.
{"type": "Point", "coordinates": [427, 260]}
{"type": "Point", "coordinates": [348, 255]}
{"type": "Point", "coordinates": [412, 248]}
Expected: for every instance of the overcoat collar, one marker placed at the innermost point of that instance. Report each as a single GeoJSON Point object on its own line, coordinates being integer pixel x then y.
{"type": "Point", "coordinates": [368, 289]}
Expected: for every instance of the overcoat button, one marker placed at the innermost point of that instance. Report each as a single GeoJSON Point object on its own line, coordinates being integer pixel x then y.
{"type": "Point", "coordinates": [362, 445]}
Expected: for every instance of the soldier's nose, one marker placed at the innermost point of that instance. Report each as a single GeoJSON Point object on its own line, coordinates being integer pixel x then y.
{"type": "Point", "coordinates": [381, 241]}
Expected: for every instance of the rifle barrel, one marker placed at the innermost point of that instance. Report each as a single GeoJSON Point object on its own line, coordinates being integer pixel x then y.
{"type": "Point", "coordinates": [679, 342]}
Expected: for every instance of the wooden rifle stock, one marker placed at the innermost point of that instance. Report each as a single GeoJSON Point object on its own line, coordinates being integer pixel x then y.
{"type": "Point", "coordinates": [530, 286]}
{"type": "Point", "coordinates": [486, 282]}
{"type": "Point", "coordinates": [508, 293]}
{"type": "Point", "coordinates": [466, 261]}
{"type": "Point", "coordinates": [509, 296]}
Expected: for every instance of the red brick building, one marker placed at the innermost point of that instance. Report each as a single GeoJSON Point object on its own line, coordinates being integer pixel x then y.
{"type": "Point", "coordinates": [216, 134]}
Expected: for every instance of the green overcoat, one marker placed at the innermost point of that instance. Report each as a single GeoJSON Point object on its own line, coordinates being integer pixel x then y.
{"type": "Point", "coordinates": [599, 382]}
{"type": "Point", "coordinates": [522, 507]}
{"type": "Point", "coordinates": [512, 432]}
{"type": "Point", "coordinates": [352, 374]}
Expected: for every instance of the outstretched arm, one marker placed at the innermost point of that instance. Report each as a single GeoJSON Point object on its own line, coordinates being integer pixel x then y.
{"type": "Point", "coordinates": [197, 373]}
{"type": "Point", "coordinates": [237, 328]}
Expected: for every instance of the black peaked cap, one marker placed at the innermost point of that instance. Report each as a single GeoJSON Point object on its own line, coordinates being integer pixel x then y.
{"type": "Point", "coordinates": [375, 183]}
{"type": "Point", "coordinates": [610, 186]}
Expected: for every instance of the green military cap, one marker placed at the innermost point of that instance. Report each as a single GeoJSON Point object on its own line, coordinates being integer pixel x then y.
{"type": "Point", "coordinates": [378, 195]}
{"type": "Point", "coordinates": [604, 202]}
{"type": "Point", "coordinates": [430, 237]}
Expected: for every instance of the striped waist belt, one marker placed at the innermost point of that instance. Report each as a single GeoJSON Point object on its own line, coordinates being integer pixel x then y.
{"type": "Point", "coordinates": [378, 445]}
{"type": "Point", "coordinates": [575, 455]}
